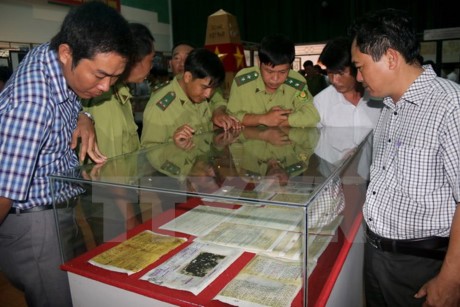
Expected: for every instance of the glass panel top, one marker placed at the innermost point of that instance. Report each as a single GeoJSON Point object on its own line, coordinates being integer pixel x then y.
{"type": "Point", "coordinates": [276, 165]}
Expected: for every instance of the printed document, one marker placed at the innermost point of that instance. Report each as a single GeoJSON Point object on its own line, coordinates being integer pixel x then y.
{"type": "Point", "coordinates": [198, 221]}
{"type": "Point", "coordinates": [264, 281]}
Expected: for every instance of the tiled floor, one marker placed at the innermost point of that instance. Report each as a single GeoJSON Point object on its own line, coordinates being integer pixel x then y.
{"type": "Point", "coordinates": [10, 296]}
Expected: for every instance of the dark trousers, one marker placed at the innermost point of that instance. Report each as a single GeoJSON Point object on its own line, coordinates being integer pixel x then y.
{"type": "Point", "coordinates": [392, 279]}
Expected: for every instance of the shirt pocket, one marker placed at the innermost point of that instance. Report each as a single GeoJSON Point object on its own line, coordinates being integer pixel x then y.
{"type": "Point", "coordinates": [416, 170]}
{"type": "Point", "coordinates": [130, 139]}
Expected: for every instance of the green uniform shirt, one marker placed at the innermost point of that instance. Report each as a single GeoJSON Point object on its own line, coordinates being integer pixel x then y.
{"type": "Point", "coordinates": [217, 99]}
{"type": "Point", "coordinates": [115, 127]}
{"type": "Point", "coordinates": [248, 95]}
{"type": "Point", "coordinates": [170, 108]}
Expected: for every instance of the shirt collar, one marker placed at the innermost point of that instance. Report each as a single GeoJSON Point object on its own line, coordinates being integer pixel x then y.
{"type": "Point", "coordinates": [180, 94]}
{"type": "Point", "coordinates": [260, 85]}
{"type": "Point", "coordinates": [122, 93]}
{"type": "Point", "coordinates": [415, 93]}
{"type": "Point", "coordinates": [63, 92]}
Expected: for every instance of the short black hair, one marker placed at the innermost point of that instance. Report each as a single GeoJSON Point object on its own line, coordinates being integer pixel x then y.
{"type": "Point", "coordinates": [203, 63]}
{"type": "Point", "coordinates": [93, 28]}
{"type": "Point", "coordinates": [276, 50]}
{"type": "Point", "coordinates": [143, 41]}
{"type": "Point", "coordinates": [380, 30]}
{"type": "Point", "coordinates": [336, 55]}
{"type": "Point", "coordinates": [307, 63]}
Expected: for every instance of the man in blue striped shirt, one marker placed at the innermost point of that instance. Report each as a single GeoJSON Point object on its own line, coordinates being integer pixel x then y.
{"type": "Point", "coordinates": [39, 108]}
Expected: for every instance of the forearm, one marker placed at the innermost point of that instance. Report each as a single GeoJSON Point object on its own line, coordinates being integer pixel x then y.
{"type": "Point", "coordinates": [253, 120]}
{"type": "Point", "coordinates": [5, 206]}
{"type": "Point", "coordinates": [305, 116]}
{"type": "Point", "coordinates": [451, 265]}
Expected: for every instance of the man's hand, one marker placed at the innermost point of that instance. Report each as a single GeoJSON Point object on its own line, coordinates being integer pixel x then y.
{"type": "Point", "coordinates": [440, 292]}
{"type": "Point", "coordinates": [444, 289]}
{"type": "Point", "coordinates": [220, 118]}
{"type": "Point", "coordinates": [276, 117]}
{"type": "Point", "coordinates": [183, 137]}
{"type": "Point", "coordinates": [5, 206]}
{"type": "Point", "coordinates": [85, 132]}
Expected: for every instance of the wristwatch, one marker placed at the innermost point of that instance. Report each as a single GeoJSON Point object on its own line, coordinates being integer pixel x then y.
{"type": "Point", "coordinates": [88, 115]}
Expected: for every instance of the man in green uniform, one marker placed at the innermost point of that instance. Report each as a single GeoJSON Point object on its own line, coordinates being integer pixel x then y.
{"type": "Point", "coordinates": [217, 102]}
{"type": "Point", "coordinates": [116, 129]}
{"type": "Point", "coordinates": [272, 94]}
{"type": "Point", "coordinates": [179, 109]}
{"type": "Point", "coordinates": [116, 133]}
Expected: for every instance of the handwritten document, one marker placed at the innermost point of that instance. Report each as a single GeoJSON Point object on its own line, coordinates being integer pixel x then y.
{"type": "Point", "coordinates": [264, 281]}
{"type": "Point", "coordinates": [136, 253]}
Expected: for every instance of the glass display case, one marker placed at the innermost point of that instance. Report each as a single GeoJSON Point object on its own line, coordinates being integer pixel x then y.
{"type": "Point", "coordinates": [260, 217]}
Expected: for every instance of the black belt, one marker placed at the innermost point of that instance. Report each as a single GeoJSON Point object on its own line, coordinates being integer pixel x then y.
{"type": "Point", "coordinates": [70, 203]}
{"type": "Point", "coordinates": [431, 247]}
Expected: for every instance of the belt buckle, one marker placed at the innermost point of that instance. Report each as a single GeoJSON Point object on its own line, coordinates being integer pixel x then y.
{"type": "Point", "coordinates": [375, 242]}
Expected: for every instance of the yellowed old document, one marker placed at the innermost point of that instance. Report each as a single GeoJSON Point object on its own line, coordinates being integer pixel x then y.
{"type": "Point", "coordinates": [136, 253]}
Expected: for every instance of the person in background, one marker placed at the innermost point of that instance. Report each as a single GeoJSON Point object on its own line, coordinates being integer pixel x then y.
{"type": "Point", "coordinates": [180, 52]}
{"type": "Point", "coordinates": [179, 109]}
{"type": "Point", "coordinates": [344, 103]}
{"type": "Point", "coordinates": [272, 94]}
{"type": "Point", "coordinates": [38, 113]}
{"type": "Point", "coordinates": [411, 206]}
{"type": "Point", "coordinates": [315, 80]}
{"type": "Point", "coordinates": [116, 129]}
{"type": "Point", "coordinates": [5, 74]}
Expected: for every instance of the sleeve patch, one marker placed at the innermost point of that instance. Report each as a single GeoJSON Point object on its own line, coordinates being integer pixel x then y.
{"type": "Point", "coordinates": [243, 79]}
{"type": "Point", "coordinates": [297, 84]}
{"type": "Point", "coordinates": [303, 94]}
{"type": "Point", "coordinates": [164, 102]}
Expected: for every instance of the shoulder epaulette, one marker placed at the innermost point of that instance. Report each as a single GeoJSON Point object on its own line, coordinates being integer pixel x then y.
{"type": "Point", "coordinates": [248, 77]}
{"type": "Point", "coordinates": [164, 102]}
{"type": "Point", "coordinates": [297, 84]}
{"type": "Point", "coordinates": [171, 168]}
{"type": "Point", "coordinates": [159, 86]}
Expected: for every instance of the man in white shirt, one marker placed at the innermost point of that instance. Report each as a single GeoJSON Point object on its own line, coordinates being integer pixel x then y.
{"type": "Point", "coordinates": [344, 103]}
